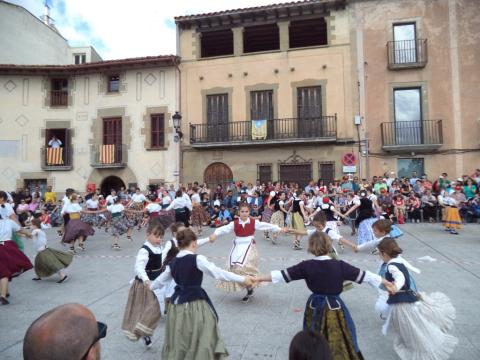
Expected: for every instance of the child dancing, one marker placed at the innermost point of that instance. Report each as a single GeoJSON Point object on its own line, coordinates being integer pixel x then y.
{"type": "Point", "coordinates": [325, 311]}
{"type": "Point", "coordinates": [419, 324]}
{"type": "Point", "coordinates": [48, 261]}
{"type": "Point", "coordinates": [142, 312]}
{"type": "Point", "coordinates": [243, 258]}
{"type": "Point", "coordinates": [191, 330]}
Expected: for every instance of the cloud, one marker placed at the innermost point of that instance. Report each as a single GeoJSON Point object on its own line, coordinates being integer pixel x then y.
{"type": "Point", "coordinates": [123, 29]}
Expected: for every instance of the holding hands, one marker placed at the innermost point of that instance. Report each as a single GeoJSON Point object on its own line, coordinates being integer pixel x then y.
{"type": "Point", "coordinates": [391, 288]}
{"type": "Point", "coordinates": [212, 238]}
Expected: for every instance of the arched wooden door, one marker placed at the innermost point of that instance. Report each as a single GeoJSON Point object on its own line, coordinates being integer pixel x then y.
{"type": "Point", "coordinates": [217, 173]}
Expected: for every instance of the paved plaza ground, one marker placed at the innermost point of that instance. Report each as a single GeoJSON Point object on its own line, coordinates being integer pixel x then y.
{"type": "Point", "coordinates": [262, 329]}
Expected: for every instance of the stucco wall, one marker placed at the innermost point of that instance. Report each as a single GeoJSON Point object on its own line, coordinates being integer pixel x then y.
{"type": "Point", "coordinates": [24, 39]}
{"type": "Point", "coordinates": [23, 115]}
{"type": "Point", "coordinates": [449, 80]}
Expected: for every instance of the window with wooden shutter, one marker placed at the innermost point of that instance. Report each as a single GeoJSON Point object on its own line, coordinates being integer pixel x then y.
{"type": "Point", "coordinates": [309, 111]}
{"type": "Point", "coordinates": [326, 171]}
{"type": "Point", "coordinates": [264, 173]}
{"type": "Point", "coordinates": [261, 108]}
{"type": "Point", "coordinates": [157, 127]}
{"type": "Point", "coordinates": [217, 117]}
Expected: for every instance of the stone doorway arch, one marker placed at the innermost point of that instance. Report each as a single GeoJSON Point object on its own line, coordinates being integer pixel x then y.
{"type": "Point", "coordinates": [217, 173]}
{"type": "Point", "coordinates": [126, 175]}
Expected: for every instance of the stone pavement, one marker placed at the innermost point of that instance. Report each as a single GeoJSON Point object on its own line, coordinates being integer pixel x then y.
{"type": "Point", "coordinates": [262, 329]}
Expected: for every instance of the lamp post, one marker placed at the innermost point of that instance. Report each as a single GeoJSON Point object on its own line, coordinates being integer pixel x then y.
{"type": "Point", "coordinates": [177, 122]}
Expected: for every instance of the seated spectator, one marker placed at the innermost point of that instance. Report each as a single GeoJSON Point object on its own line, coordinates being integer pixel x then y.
{"type": "Point", "coordinates": [429, 205]}
{"type": "Point", "coordinates": [413, 207]}
{"type": "Point", "coordinates": [225, 215]}
{"type": "Point", "coordinates": [68, 331]}
{"type": "Point", "coordinates": [45, 220]}
{"type": "Point", "coordinates": [256, 200]}
{"type": "Point", "coordinates": [229, 201]}
{"type": "Point", "coordinates": [307, 345]}
{"type": "Point", "coordinates": [473, 209]}
{"type": "Point", "coordinates": [469, 189]}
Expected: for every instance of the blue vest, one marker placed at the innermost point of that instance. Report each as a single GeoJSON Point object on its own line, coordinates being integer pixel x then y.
{"type": "Point", "coordinates": [154, 264]}
{"type": "Point", "coordinates": [405, 294]}
{"type": "Point", "coordinates": [189, 281]}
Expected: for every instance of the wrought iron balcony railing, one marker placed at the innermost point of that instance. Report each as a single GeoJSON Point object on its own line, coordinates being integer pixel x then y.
{"type": "Point", "coordinates": [410, 135]}
{"type": "Point", "coordinates": [290, 130]}
{"type": "Point", "coordinates": [58, 98]}
{"type": "Point", "coordinates": [407, 54]}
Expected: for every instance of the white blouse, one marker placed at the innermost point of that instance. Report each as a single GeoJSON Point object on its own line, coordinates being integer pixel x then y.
{"type": "Point", "coordinates": [153, 207]}
{"type": "Point", "coordinates": [259, 225]}
{"type": "Point", "coordinates": [142, 260]}
{"type": "Point", "coordinates": [203, 265]}
{"type": "Point", "coordinates": [138, 198]}
{"type": "Point", "coordinates": [39, 240]}
{"type": "Point", "coordinates": [7, 227]}
{"type": "Point", "coordinates": [72, 208]}
{"type": "Point", "coordinates": [115, 208]}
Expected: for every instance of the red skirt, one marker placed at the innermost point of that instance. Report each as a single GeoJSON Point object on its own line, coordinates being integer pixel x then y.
{"type": "Point", "coordinates": [12, 261]}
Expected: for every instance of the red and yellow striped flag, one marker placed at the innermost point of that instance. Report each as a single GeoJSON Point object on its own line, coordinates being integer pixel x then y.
{"type": "Point", "coordinates": [107, 154]}
{"type": "Point", "coordinates": [54, 156]}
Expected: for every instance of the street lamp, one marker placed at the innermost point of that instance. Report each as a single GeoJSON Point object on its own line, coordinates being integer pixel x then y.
{"type": "Point", "coordinates": [177, 119]}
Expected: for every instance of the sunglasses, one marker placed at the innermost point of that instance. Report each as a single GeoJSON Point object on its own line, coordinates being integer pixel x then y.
{"type": "Point", "coordinates": [102, 332]}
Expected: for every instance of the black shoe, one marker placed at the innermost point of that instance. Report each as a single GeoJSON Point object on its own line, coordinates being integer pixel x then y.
{"type": "Point", "coordinates": [36, 279]}
{"type": "Point", "coordinates": [62, 280]}
{"type": "Point", "coordinates": [247, 297]}
{"type": "Point", "coordinates": [8, 295]}
{"type": "Point", "coordinates": [4, 301]}
{"type": "Point", "coordinates": [148, 341]}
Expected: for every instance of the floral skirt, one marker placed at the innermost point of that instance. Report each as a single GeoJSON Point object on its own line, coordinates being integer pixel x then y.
{"type": "Point", "coordinates": [13, 262]}
{"type": "Point", "coordinates": [267, 215]}
{"type": "Point", "coordinates": [365, 231]}
{"type": "Point", "coordinates": [120, 225]}
{"type": "Point", "coordinates": [199, 216]}
{"type": "Point", "coordinates": [278, 219]}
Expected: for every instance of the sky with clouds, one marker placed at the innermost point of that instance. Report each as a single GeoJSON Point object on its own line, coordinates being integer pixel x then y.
{"type": "Point", "coordinates": [122, 29]}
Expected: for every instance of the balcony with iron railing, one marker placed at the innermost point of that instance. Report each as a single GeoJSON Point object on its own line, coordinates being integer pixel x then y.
{"type": "Point", "coordinates": [265, 132]}
{"type": "Point", "coordinates": [412, 135]}
{"type": "Point", "coordinates": [407, 54]}
{"type": "Point", "coordinates": [56, 159]}
{"type": "Point", "coordinates": [109, 156]}
{"type": "Point", "coordinates": [58, 98]}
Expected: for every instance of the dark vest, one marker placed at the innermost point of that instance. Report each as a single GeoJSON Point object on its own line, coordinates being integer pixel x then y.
{"type": "Point", "coordinates": [328, 214]}
{"type": "Point", "coordinates": [277, 205]}
{"type": "Point", "coordinates": [189, 281]}
{"type": "Point", "coordinates": [296, 206]}
{"type": "Point", "coordinates": [154, 264]}
{"type": "Point", "coordinates": [405, 294]}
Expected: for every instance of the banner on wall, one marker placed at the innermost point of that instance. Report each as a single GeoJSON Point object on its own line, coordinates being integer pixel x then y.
{"type": "Point", "coordinates": [259, 129]}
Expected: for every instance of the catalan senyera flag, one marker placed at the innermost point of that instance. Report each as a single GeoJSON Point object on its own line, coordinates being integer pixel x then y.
{"type": "Point", "coordinates": [55, 156]}
{"type": "Point", "coordinates": [259, 129]}
{"type": "Point", "coordinates": [107, 154]}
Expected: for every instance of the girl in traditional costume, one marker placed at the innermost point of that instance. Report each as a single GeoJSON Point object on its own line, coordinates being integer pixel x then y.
{"type": "Point", "coordinates": [278, 217]}
{"type": "Point", "coordinates": [142, 312]}
{"type": "Point", "coordinates": [48, 261]}
{"type": "Point", "coordinates": [13, 262]}
{"type": "Point", "coordinates": [299, 215]}
{"type": "Point", "coordinates": [191, 310]}
{"type": "Point", "coordinates": [325, 311]}
{"type": "Point", "coordinates": [120, 223]}
{"type": "Point", "coordinates": [420, 324]}
{"type": "Point", "coordinates": [243, 258]}
{"type": "Point", "coordinates": [76, 229]}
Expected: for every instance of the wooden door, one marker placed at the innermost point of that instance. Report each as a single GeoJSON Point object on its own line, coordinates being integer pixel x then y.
{"type": "Point", "coordinates": [112, 135]}
{"type": "Point", "coordinates": [261, 108]}
{"type": "Point", "coordinates": [217, 118]}
{"type": "Point", "coordinates": [309, 111]}
{"type": "Point", "coordinates": [300, 173]}
{"type": "Point", "coordinates": [218, 173]}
